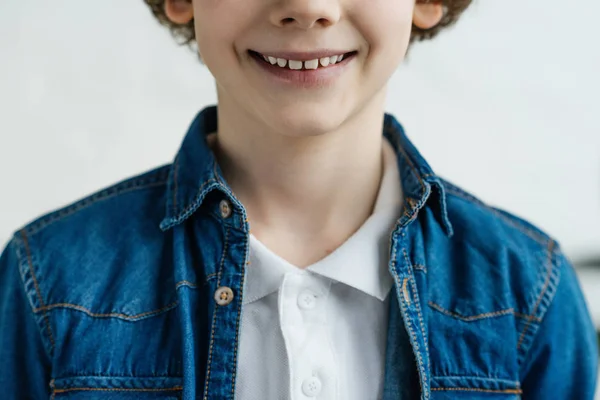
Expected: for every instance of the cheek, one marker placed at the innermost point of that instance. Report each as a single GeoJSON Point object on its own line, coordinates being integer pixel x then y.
{"type": "Point", "coordinates": [216, 39]}
{"type": "Point", "coordinates": [384, 24]}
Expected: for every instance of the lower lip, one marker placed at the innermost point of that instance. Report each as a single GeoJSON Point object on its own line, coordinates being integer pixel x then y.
{"type": "Point", "coordinates": [305, 78]}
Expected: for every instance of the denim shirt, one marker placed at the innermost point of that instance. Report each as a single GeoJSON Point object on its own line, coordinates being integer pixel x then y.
{"type": "Point", "coordinates": [113, 297]}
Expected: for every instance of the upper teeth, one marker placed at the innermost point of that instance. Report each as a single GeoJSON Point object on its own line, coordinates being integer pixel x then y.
{"type": "Point", "coordinates": [310, 64]}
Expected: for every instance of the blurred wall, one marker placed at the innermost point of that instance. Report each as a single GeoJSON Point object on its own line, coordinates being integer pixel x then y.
{"type": "Point", "coordinates": [505, 105]}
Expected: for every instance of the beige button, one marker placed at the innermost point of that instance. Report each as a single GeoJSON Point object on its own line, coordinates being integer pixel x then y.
{"type": "Point", "coordinates": [225, 208]}
{"type": "Point", "coordinates": [223, 295]}
{"type": "Point", "coordinates": [405, 291]}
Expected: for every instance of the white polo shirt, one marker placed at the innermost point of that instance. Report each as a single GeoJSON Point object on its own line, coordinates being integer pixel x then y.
{"type": "Point", "coordinates": [320, 333]}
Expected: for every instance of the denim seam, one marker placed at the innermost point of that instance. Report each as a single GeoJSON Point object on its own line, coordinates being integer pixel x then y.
{"type": "Point", "coordinates": [517, 384]}
{"type": "Point", "coordinates": [415, 293]}
{"type": "Point", "coordinates": [125, 187]}
{"type": "Point", "coordinates": [412, 333]}
{"type": "Point", "coordinates": [186, 283]}
{"type": "Point", "coordinates": [417, 302]}
{"type": "Point", "coordinates": [414, 337]}
{"type": "Point", "coordinates": [408, 325]}
{"type": "Point", "coordinates": [71, 377]}
{"type": "Point", "coordinates": [451, 189]}
{"type": "Point", "coordinates": [237, 326]}
{"type": "Point", "coordinates": [37, 290]}
{"type": "Point", "coordinates": [212, 332]}
{"type": "Point", "coordinates": [469, 318]}
{"type": "Point", "coordinates": [127, 317]}
{"type": "Point", "coordinates": [541, 295]}
{"type": "Point", "coordinates": [193, 206]}
{"type": "Point", "coordinates": [88, 389]}
{"type": "Point", "coordinates": [507, 391]}
{"type": "Point", "coordinates": [418, 267]}
{"type": "Point", "coordinates": [53, 389]}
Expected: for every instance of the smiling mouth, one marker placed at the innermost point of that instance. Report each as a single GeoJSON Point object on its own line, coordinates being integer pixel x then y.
{"type": "Point", "coordinates": [317, 63]}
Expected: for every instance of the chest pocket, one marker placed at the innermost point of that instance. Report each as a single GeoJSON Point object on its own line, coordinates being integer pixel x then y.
{"type": "Point", "coordinates": [116, 358]}
{"type": "Point", "coordinates": [117, 388]}
{"type": "Point", "coordinates": [473, 356]}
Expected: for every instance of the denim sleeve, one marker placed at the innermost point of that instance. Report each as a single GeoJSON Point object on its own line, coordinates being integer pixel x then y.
{"type": "Point", "coordinates": [24, 361]}
{"type": "Point", "coordinates": [562, 361]}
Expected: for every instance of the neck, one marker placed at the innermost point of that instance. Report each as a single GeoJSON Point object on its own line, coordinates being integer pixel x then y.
{"type": "Point", "coordinates": [323, 186]}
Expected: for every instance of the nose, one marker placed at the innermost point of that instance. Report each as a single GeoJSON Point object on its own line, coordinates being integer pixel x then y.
{"type": "Point", "coordinates": [305, 14]}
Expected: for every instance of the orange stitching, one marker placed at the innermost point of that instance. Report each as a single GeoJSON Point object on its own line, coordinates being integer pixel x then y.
{"type": "Point", "coordinates": [509, 391]}
{"type": "Point", "coordinates": [212, 332]}
{"type": "Point", "coordinates": [185, 283]}
{"type": "Point", "coordinates": [52, 387]}
{"type": "Point", "coordinates": [420, 369]}
{"type": "Point", "coordinates": [210, 276]}
{"type": "Point", "coordinates": [539, 300]}
{"type": "Point", "coordinates": [418, 307]}
{"type": "Point", "coordinates": [173, 389]}
{"type": "Point", "coordinates": [412, 334]}
{"type": "Point", "coordinates": [525, 316]}
{"type": "Point", "coordinates": [37, 288]}
{"type": "Point", "coordinates": [533, 235]}
{"type": "Point", "coordinates": [191, 206]}
{"type": "Point", "coordinates": [508, 311]}
{"type": "Point", "coordinates": [109, 315]}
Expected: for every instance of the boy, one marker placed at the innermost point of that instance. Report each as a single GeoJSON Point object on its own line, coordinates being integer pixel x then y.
{"type": "Point", "coordinates": [298, 246]}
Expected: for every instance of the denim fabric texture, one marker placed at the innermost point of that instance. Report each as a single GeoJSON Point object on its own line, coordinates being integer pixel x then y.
{"type": "Point", "coordinates": [113, 297]}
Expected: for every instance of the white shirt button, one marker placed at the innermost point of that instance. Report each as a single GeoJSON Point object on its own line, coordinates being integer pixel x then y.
{"type": "Point", "coordinates": [311, 387]}
{"type": "Point", "coordinates": [223, 295]}
{"type": "Point", "coordinates": [307, 300]}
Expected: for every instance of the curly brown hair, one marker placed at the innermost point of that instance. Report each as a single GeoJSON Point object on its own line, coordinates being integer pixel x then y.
{"type": "Point", "coordinates": [185, 34]}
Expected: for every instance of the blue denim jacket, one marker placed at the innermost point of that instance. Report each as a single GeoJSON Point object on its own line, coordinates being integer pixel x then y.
{"type": "Point", "coordinates": [113, 297]}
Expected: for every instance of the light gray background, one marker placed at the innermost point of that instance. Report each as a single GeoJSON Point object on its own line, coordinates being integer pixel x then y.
{"type": "Point", "coordinates": [506, 105]}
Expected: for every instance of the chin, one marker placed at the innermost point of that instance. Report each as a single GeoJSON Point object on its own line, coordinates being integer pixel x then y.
{"type": "Point", "coordinates": [308, 119]}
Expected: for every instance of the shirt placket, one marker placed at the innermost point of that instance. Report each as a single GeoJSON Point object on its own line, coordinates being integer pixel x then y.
{"type": "Point", "coordinates": [302, 306]}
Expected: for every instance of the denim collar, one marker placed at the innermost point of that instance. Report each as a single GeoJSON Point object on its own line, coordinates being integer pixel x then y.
{"type": "Point", "coordinates": [195, 173]}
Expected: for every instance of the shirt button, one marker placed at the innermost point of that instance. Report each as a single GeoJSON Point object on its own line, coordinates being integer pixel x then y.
{"type": "Point", "coordinates": [307, 300]}
{"type": "Point", "coordinates": [223, 296]}
{"type": "Point", "coordinates": [311, 387]}
{"type": "Point", "coordinates": [405, 291]}
{"type": "Point", "coordinates": [225, 208]}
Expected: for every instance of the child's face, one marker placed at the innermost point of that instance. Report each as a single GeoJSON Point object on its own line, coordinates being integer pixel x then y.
{"type": "Point", "coordinates": [312, 102]}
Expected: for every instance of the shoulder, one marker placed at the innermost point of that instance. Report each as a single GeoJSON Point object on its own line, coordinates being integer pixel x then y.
{"type": "Point", "coordinates": [466, 210]}
{"type": "Point", "coordinates": [501, 265]}
{"type": "Point", "coordinates": [78, 256]}
{"type": "Point", "coordinates": [114, 200]}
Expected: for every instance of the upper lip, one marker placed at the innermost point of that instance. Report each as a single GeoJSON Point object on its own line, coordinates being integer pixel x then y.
{"type": "Point", "coordinates": [303, 55]}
